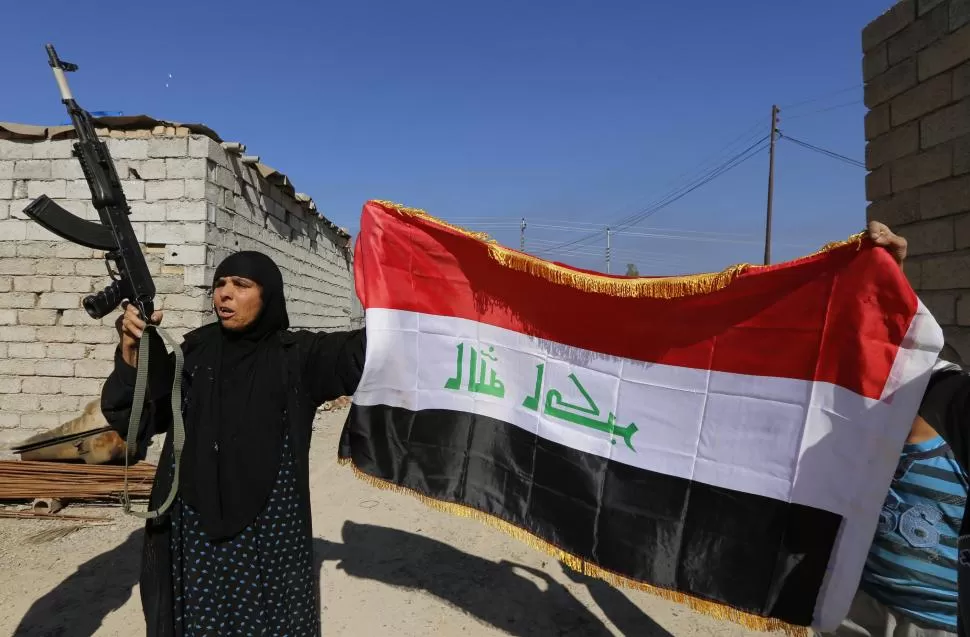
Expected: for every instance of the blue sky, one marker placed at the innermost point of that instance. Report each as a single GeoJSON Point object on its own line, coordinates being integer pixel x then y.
{"type": "Point", "coordinates": [571, 114]}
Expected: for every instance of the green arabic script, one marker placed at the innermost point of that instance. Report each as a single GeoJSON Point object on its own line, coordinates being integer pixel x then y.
{"type": "Point", "coordinates": [494, 387]}
{"type": "Point", "coordinates": [556, 407]}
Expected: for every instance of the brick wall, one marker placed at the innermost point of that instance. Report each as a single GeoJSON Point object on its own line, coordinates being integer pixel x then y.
{"type": "Point", "coordinates": [192, 204]}
{"type": "Point", "coordinates": [916, 68]}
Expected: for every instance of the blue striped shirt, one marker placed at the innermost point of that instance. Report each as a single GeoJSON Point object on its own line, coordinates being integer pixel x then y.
{"type": "Point", "coordinates": [912, 564]}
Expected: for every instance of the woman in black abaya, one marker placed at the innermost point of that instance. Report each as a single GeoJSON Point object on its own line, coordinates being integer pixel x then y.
{"type": "Point", "coordinates": [234, 554]}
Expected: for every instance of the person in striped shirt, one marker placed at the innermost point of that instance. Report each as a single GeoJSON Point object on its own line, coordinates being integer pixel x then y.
{"type": "Point", "coordinates": [909, 585]}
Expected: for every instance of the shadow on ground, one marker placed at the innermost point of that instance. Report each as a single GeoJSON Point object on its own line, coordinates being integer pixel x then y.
{"type": "Point", "coordinates": [518, 599]}
{"type": "Point", "coordinates": [515, 598]}
{"type": "Point", "coordinates": [77, 606]}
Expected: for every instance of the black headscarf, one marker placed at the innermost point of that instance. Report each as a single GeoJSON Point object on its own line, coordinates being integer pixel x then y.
{"type": "Point", "coordinates": [236, 404]}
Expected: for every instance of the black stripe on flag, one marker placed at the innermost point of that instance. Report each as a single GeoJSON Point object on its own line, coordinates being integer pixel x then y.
{"type": "Point", "coordinates": [753, 553]}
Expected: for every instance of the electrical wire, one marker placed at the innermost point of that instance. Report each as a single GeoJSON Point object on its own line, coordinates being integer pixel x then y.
{"type": "Point", "coordinates": [679, 193]}
{"type": "Point", "coordinates": [824, 110]}
{"type": "Point", "coordinates": [821, 97]}
{"type": "Point", "coordinates": [828, 153]}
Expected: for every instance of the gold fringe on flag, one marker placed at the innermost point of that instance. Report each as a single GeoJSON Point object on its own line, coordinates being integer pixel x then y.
{"type": "Point", "coordinates": [632, 287]}
{"type": "Point", "coordinates": [711, 609]}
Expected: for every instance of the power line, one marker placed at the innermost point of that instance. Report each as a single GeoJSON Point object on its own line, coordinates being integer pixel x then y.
{"type": "Point", "coordinates": [822, 97]}
{"type": "Point", "coordinates": [679, 193]}
{"type": "Point", "coordinates": [823, 151]}
{"type": "Point", "coordinates": [825, 110]}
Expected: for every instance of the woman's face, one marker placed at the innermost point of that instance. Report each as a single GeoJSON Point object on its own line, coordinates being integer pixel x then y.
{"type": "Point", "coordinates": [237, 302]}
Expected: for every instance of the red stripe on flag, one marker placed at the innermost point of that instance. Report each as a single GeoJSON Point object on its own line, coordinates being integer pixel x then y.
{"type": "Point", "coordinates": [836, 317]}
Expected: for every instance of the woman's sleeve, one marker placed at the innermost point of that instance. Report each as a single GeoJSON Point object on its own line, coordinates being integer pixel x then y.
{"type": "Point", "coordinates": [334, 364]}
{"type": "Point", "coordinates": [946, 407]}
{"type": "Point", "coordinates": [119, 390]}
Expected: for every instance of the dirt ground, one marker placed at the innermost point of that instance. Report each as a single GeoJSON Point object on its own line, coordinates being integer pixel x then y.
{"type": "Point", "coordinates": [389, 565]}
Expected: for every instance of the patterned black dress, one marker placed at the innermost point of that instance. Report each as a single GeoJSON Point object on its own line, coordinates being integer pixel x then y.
{"type": "Point", "coordinates": [260, 583]}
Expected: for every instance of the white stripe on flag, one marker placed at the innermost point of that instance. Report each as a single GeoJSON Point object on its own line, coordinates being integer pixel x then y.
{"type": "Point", "coordinates": [792, 440]}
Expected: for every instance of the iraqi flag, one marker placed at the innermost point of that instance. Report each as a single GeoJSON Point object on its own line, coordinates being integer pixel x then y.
{"type": "Point", "coordinates": [725, 440]}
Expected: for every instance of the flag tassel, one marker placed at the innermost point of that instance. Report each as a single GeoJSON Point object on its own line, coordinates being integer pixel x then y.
{"type": "Point", "coordinates": [709, 608]}
{"type": "Point", "coordinates": [630, 287]}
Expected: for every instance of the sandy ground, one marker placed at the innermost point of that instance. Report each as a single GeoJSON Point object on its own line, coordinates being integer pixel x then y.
{"type": "Point", "coordinates": [389, 566]}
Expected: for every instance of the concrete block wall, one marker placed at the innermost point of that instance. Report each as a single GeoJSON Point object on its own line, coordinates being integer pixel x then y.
{"type": "Point", "coordinates": [192, 204]}
{"type": "Point", "coordinates": [916, 68]}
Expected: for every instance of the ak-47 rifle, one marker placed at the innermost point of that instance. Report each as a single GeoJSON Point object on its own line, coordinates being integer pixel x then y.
{"type": "Point", "coordinates": [131, 279]}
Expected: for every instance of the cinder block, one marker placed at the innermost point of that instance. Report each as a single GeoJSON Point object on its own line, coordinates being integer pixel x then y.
{"type": "Point", "coordinates": [10, 385]}
{"type": "Point", "coordinates": [945, 198]}
{"type": "Point", "coordinates": [199, 276]}
{"type": "Point", "coordinates": [195, 188]}
{"type": "Point", "coordinates": [168, 147]}
{"type": "Point", "coordinates": [134, 189]}
{"type": "Point", "coordinates": [928, 29]}
{"type": "Point", "coordinates": [148, 169]}
{"type": "Point", "coordinates": [72, 284]}
{"type": "Point", "coordinates": [56, 149]}
{"type": "Point", "coordinates": [186, 255]}
{"type": "Point", "coordinates": [943, 55]}
{"type": "Point", "coordinates": [32, 283]}
{"type": "Point", "coordinates": [98, 335]}
{"type": "Point", "coordinates": [897, 18]}
{"type": "Point", "coordinates": [32, 169]}
{"type": "Point", "coordinates": [68, 169]}
{"type": "Point", "coordinates": [4, 210]}
{"type": "Point", "coordinates": [55, 267]}
{"type": "Point", "coordinates": [944, 272]}
{"type": "Point", "coordinates": [878, 183]}
{"type": "Point", "coordinates": [6, 189]}
{"type": "Point", "coordinates": [61, 404]}
{"type": "Point", "coordinates": [128, 148]}
{"type": "Point", "coordinates": [897, 143]}
{"type": "Point", "coordinates": [148, 210]}
{"type": "Point", "coordinates": [185, 210]}
{"type": "Point", "coordinates": [81, 386]}
{"type": "Point", "coordinates": [57, 334]}
{"type": "Point", "coordinates": [77, 189]}
{"type": "Point", "coordinates": [17, 367]}
{"type": "Point", "coordinates": [926, 167]}
{"type": "Point", "coordinates": [105, 352]}
{"type": "Point", "coordinates": [961, 231]}
{"type": "Point", "coordinates": [164, 189]}
{"type": "Point", "coordinates": [959, 13]}
{"type": "Point", "coordinates": [60, 300]}
{"type": "Point", "coordinates": [170, 284]}
{"type": "Point", "coordinates": [93, 368]}
{"type": "Point", "coordinates": [875, 62]}
{"type": "Point", "coordinates": [11, 149]}
{"type": "Point", "coordinates": [961, 156]}
{"type": "Point", "coordinates": [42, 385]}
{"type": "Point", "coordinates": [18, 300]}
{"type": "Point", "coordinates": [76, 317]}
{"type": "Point", "coordinates": [924, 98]}
{"type": "Point", "coordinates": [54, 367]}
{"type": "Point", "coordinates": [945, 124]}
{"type": "Point", "coordinates": [930, 237]}
{"type": "Point", "coordinates": [185, 168]}
{"type": "Point", "coordinates": [6, 168]}
{"type": "Point", "coordinates": [17, 334]}
{"type": "Point", "coordinates": [90, 268]}
{"type": "Point", "coordinates": [26, 350]}
{"type": "Point", "coordinates": [19, 402]}
{"type": "Point", "coordinates": [8, 317]}
{"type": "Point", "coordinates": [35, 317]}
{"type": "Point", "coordinates": [68, 250]}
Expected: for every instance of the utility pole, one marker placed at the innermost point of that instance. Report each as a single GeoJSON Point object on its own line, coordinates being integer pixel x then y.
{"type": "Point", "coordinates": [771, 181]}
{"type": "Point", "coordinates": [609, 234]}
{"type": "Point", "coordinates": [522, 235]}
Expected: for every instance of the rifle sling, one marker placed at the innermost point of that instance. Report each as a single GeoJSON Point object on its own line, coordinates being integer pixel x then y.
{"type": "Point", "coordinates": [137, 407]}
